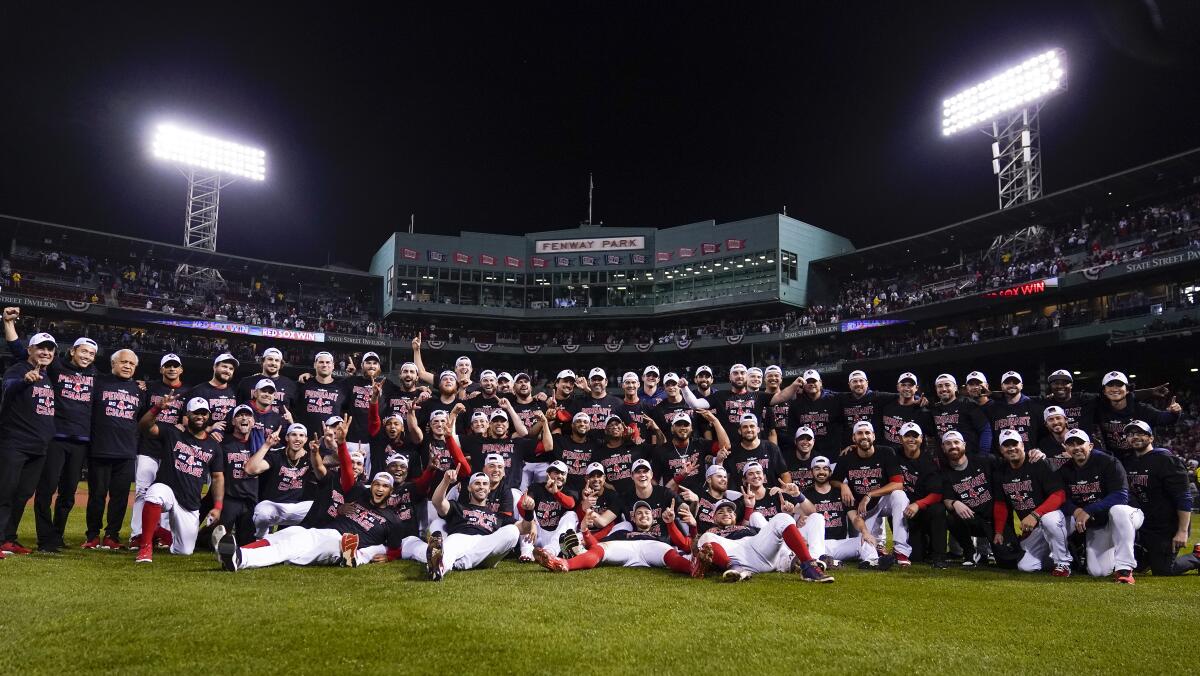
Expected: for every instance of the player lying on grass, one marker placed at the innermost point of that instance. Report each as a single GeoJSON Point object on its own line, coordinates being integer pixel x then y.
{"type": "Point", "coordinates": [754, 547]}
{"type": "Point", "coordinates": [643, 546]}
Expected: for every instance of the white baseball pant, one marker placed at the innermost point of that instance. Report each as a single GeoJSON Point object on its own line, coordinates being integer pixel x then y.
{"type": "Point", "coordinates": [297, 546]}
{"type": "Point", "coordinates": [268, 514]}
{"type": "Point", "coordinates": [464, 552]}
{"type": "Point", "coordinates": [533, 473]}
{"type": "Point", "coordinates": [1111, 547]}
{"type": "Point", "coordinates": [849, 549]}
{"type": "Point", "coordinates": [813, 531]}
{"type": "Point", "coordinates": [635, 553]}
{"type": "Point", "coordinates": [183, 524]}
{"type": "Point", "coordinates": [412, 548]}
{"type": "Point", "coordinates": [893, 504]}
{"type": "Point", "coordinates": [143, 476]}
{"type": "Point", "coordinates": [757, 553]}
{"type": "Point", "coordinates": [549, 538]}
{"type": "Point", "coordinates": [1047, 543]}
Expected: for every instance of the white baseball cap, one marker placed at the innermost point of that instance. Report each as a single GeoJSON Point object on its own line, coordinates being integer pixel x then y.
{"type": "Point", "coordinates": [265, 384]}
{"type": "Point", "coordinates": [714, 469]}
{"type": "Point", "coordinates": [499, 414]}
{"type": "Point", "coordinates": [1009, 435]}
{"type": "Point", "coordinates": [630, 377]}
{"type": "Point", "coordinates": [946, 378]}
{"type": "Point", "coordinates": [1053, 411]}
{"type": "Point", "coordinates": [334, 420]}
{"type": "Point", "coordinates": [910, 427]}
{"type": "Point", "coordinates": [396, 457]}
{"type": "Point", "coordinates": [557, 466]}
{"type": "Point", "coordinates": [594, 467]}
{"type": "Point", "coordinates": [357, 455]}
{"type": "Point", "coordinates": [581, 416]}
{"type": "Point", "coordinates": [773, 369]}
{"type": "Point", "coordinates": [1008, 375]}
{"type": "Point", "coordinates": [168, 358]}
{"type": "Point", "coordinates": [566, 373]}
{"type": "Point", "coordinates": [857, 374]}
{"type": "Point", "coordinates": [384, 477]}
{"type": "Point", "coordinates": [84, 340]}
{"type": "Point", "coordinates": [737, 367]}
{"type": "Point", "coordinates": [862, 425]}
{"type": "Point", "coordinates": [750, 467]}
{"type": "Point", "coordinates": [811, 374]}
{"type": "Point", "coordinates": [1114, 376]}
{"type": "Point", "coordinates": [650, 369]}
{"type": "Point", "coordinates": [272, 352]}
{"type": "Point", "coordinates": [240, 409]}
{"type": "Point", "coordinates": [478, 415]}
{"type": "Point", "coordinates": [747, 418]}
{"type": "Point", "coordinates": [197, 404]}
{"type": "Point", "coordinates": [487, 373]}
{"type": "Point", "coordinates": [724, 503]}
{"type": "Point", "coordinates": [297, 427]}
{"type": "Point", "coordinates": [671, 377]}
{"type": "Point", "coordinates": [597, 372]}
{"type": "Point", "coordinates": [805, 431]}
{"type": "Point", "coordinates": [440, 414]}
{"type": "Point", "coordinates": [976, 375]}
{"type": "Point", "coordinates": [463, 360]}
{"type": "Point", "coordinates": [504, 375]}
{"type": "Point", "coordinates": [681, 416]}
{"type": "Point", "coordinates": [704, 369]}
{"type": "Point", "coordinates": [908, 375]}
{"type": "Point", "coordinates": [1077, 434]}
{"type": "Point", "coordinates": [819, 461]}
{"type": "Point", "coordinates": [370, 355]}
{"type": "Point", "coordinates": [493, 459]}
{"type": "Point", "coordinates": [448, 374]}
{"type": "Point", "coordinates": [224, 357]}
{"type": "Point", "coordinates": [1061, 374]}
{"type": "Point", "coordinates": [323, 353]}
{"type": "Point", "coordinates": [952, 435]}
{"type": "Point", "coordinates": [1138, 424]}
{"type": "Point", "coordinates": [754, 369]}
{"type": "Point", "coordinates": [639, 464]}
{"type": "Point", "coordinates": [42, 338]}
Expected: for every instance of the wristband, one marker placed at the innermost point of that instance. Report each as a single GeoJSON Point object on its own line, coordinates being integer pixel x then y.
{"type": "Point", "coordinates": [217, 504]}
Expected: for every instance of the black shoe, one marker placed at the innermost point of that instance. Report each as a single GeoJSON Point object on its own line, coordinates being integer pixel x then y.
{"type": "Point", "coordinates": [229, 553]}
{"type": "Point", "coordinates": [939, 564]}
{"type": "Point", "coordinates": [433, 558]}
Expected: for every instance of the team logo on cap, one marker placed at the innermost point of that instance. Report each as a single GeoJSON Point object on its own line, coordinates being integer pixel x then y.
{"type": "Point", "coordinates": [1114, 376]}
{"type": "Point", "coordinates": [910, 428]}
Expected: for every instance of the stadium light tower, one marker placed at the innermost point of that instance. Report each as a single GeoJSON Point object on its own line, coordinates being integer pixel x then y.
{"type": "Point", "coordinates": [209, 164]}
{"type": "Point", "coordinates": [1006, 107]}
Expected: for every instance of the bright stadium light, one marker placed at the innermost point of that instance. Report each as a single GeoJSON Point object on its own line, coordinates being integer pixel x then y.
{"type": "Point", "coordinates": [209, 163]}
{"type": "Point", "coordinates": [1006, 107]}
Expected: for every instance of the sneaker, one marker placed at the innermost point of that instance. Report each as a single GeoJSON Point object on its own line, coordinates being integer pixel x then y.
{"type": "Point", "coordinates": [1196, 550]}
{"type": "Point", "coordinates": [433, 558]}
{"type": "Point", "coordinates": [14, 547]}
{"type": "Point", "coordinates": [830, 562]}
{"type": "Point", "coordinates": [1061, 570]}
{"type": "Point", "coordinates": [110, 543]}
{"type": "Point", "coordinates": [549, 561]}
{"type": "Point", "coordinates": [93, 543]}
{"type": "Point", "coordinates": [939, 564]}
{"type": "Point", "coordinates": [349, 551]}
{"type": "Point", "coordinates": [902, 560]}
{"type": "Point", "coordinates": [886, 562]}
{"type": "Point", "coordinates": [217, 534]}
{"type": "Point", "coordinates": [1123, 576]}
{"type": "Point", "coordinates": [819, 564]}
{"type": "Point", "coordinates": [135, 543]}
{"type": "Point", "coordinates": [568, 544]}
{"type": "Point", "coordinates": [971, 560]}
{"type": "Point", "coordinates": [810, 573]}
{"type": "Point", "coordinates": [145, 554]}
{"type": "Point", "coordinates": [879, 549]}
{"type": "Point", "coordinates": [702, 561]}
{"type": "Point", "coordinates": [525, 557]}
{"type": "Point", "coordinates": [162, 538]}
{"type": "Point", "coordinates": [49, 549]}
{"type": "Point", "coordinates": [228, 552]}
{"type": "Point", "coordinates": [734, 575]}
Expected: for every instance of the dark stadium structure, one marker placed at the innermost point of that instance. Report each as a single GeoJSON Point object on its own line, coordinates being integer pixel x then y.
{"type": "Point", "coordinates": [1101, 276]}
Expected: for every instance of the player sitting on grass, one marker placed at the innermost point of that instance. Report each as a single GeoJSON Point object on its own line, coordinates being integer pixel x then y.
{"type": "Point", "coordinates": [742, 550]}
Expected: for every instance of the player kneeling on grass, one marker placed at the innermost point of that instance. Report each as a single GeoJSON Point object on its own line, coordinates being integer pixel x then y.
{"type": "Point", "coordinates": [286, 489]}
{"type": "Point", "coordinates": [363, 520]}
{"type": "Point", "coordinates": [1097, 505]}
{"type": "Point", "coordinates": [190, 456]}
{"type": "Point", "coordinates": [646, 545]}
{"type": "Point", "coordinates": [480, 531]}
{"type": "Point", "coordinates": [1036, 492]}
{"type": "Point", "coordinates": [742, 550]}
{"type": "Point", "coordinates": [547, 513]}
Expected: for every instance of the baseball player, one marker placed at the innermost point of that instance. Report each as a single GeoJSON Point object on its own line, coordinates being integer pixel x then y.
{"type": "Point", "coordinates": [742, 550]}
{"type": "Point", "coordinates": [319, 397]}
{"type": "Point", "coordinates": [283, 389]}
{"type": "Point", "coordinates": [925, 514]}
{"type": "Point", "coordinates": [716, 489]}
{"type": "Point", "coordinates": [170, 367]}
{"type": "Point", "coordinates": [397, 399]}
{"type": "Point", "coordinates": [729, 405]}
{"type": "Point", "coordinates": [112, 455]}
{"type": "Point", "coordinates": [1055, 421]}
{"type": "Point", "coordinates": [27, 418]}
{"type": "Point", "coordinates": [480, 532]}
{"type": "Point", "coordinates": [285, 497]}
{"type": "Point", "coordinates": [241, 446]}
{"type": "Point", "coordinates": [839, 544]}
{"type": "Point", "coordinates": [360, 392]}
{"type": "Point", "coordinates": [513, 446]}
{"type": "Point", "coordinates": [756, 499]}
{"type": "Point", "coordinates": [813, 407]}
{"type": "Point", "coordinates": [646, 544]}
{"type": "Point", "coordinates": [1014, 411]}
{"type": "Point", "coordinates": [953, 412]}
{"type": "Point", "coordinates": [1035, 493]}
{"type": "Point", "coordinates": [632, 407]}
{"type": "Point", "coordinates": [596, 402]}
{"type": "Point", "coordinates": [191, 456]}
{"type": "Point", "coordinates": [1097, 506]}
{"type": "Point", "coordinates": [1159, 487]}
{"type": "Point", "coordinates": [617, 454]}
{"type": "Point", "coordinates": [548, 513]}
{"type": "Point", "coordinates": [268, 415]}
{"type": "Point", "coordinates": [754, 379]}
{"type": "Point", "coordinates": [682, 457]}
{"type": "Point", "coordinates": [600, 504]}
{"type": "Point", "coordinates": [528, 407]}
{"type": "Point", "coordinates": [405, 503]}
{"type": "Point", "coordinates": [651, 393]}
{"type": "Point", "coordinates": [799, 460]}
{"type": "Point", "coordinates": [906, 408]}
{"type": "Point", "coordinates": [660, 498]}
{"type": "Point", "coordinates": [751, 448]}
{"type": "Point", "coordinates": [967, 492]}
{"type": "Point", "coordinates": [576, 448]}
{"type": "Point", "coordinates": [217, 392]}
{"type": "Point", "coordinates": [330, 483]}
{"type": "Point", "coordinates": [977, 389]}
{"type": "Point", "coordinates": [1115, 411]}
{"type": "Point", "coordinates": [869, 479]}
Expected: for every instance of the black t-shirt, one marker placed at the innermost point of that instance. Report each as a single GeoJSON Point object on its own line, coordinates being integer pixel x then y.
{"type": "Point", "coordinates": [1025, 417]}
{"type": "Point", "coordinates": [220, 400]}
{"type": "Point", "coordinates": [1101, 477]}
{"type": "Point", "coordinates": [618, 464]}
{"type": "Point", "coordinates": [546, 508]}
{"type": "Point", "coordinates": [405, 502]}
{"type": "Point", "coordinates": [73, 389]}
{"type": "Point", "coordinates": [239, 484]}
{"type": "Point", "coordinates": [864, 475]}
{"type": "Point", "coordinates": [1158, 485]}
{"type": "Point", "coordinates": [373, 525]}
{"type": "Point", "coordinates": [609, 501]}
{"type": "Point", "coordinates": [963, 415]}
{"type": "Point", "coordinates": [382, 446]}
{"type": "Point", "coordinates": [920, 475]}
{"type": "Point", "coordinates": [831, 507]}
{"type": "Point", "coordinates": [435, 452]}
{"type": "Point", "coordinates": [284, 480]}
{"type": "Point", "coordinates": [766, 454]}
{"type": "Point", "coordinates": [636, 412]}
{"type": "Point", "coordinates": [768, 505]}
{"type": "Point", "coordinates": [327, 497]}
{"type": "Point", "coordinates": [516, 452]}
{"type": "Point", "coordinates": [729, 407]}
{"type": "Point", "coordinates": [1080, 409]}
{"type": "Point", "coordinates": [187, 463]}
{"type": "Point", "coordinates": [972, 485]}
{"type": "Point", "coordinates": [470, 519]}
{"type": "Point", "coordinates": [596, 409]}
{"type": "Point", "coordinates": [1027, 486]}
{"type": "Point", "coordinates": [576, 455]}
{"type": "Point", "coordinates": [800, 469]}
{"type": "Point", "coordinates": [356, 402]}
{"type": "Point", "coordinates": [1112, 422]}
{"type": "Point", "coordinates": [396, 400]}
{"type": "Point", "coordinates": [824, 416]}
{"type": "Point", "coordinates": [703, 510]}
{"type": "Point", "coordinates": [663, 412]}
{"type": "Point", "coordinates": [270, 419]}
{"type": "Point", "coordinates": [669, 459]}
{"type": "Point", "coordinates": [27, 412]}
{"type": "Point", "coordinates": [734, 531]}
{"type": "Point", "coordinates": [778, 417]}
{"type": "Point", "coordinates": [168, 416]}
{"type": "Point", "coordinates": [115, 407]}
{"type": "Point", "coordinates": [893, 415]}
{"type": "Point", "coordinates": [638, 536]}
{"type": "Point", "coordinates": [285, 389]}
{"type": "Point", "coordinates": [660, 498]}
{"type": "Point", "coordinates": [316, 402]}
{"type": "Point", "coordinates": [526, 412]}
{"type": "Point", "coordinates": [484, 403]}
{"type": "Point", "coordinates": [426, 409]}
{"type": "Point", "coordinates": [869, 407]}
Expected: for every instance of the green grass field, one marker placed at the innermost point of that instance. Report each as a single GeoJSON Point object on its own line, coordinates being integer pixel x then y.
{"type": "Point", "coordinates": [99, 612]}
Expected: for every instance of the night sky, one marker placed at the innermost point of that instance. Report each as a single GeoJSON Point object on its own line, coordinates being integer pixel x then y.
{"type": "Point", "coordinates": [490, 116]}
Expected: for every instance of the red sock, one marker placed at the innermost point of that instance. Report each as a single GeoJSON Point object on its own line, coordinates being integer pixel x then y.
{"type": "Point", "coordinates": [795, 542]}
{"type": "Point", "coordinates": [720, 558]}
{"type": "Point", "coordinates": [587, 560]}
{"type": "Point", "coordinates": [589, 540]}
{"type": "Point", "coordinates": [677, 563]}
{"type": "Point", "coordinates": [150, 516]}
{"type": "Point", "coordinates": [256, 544]}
